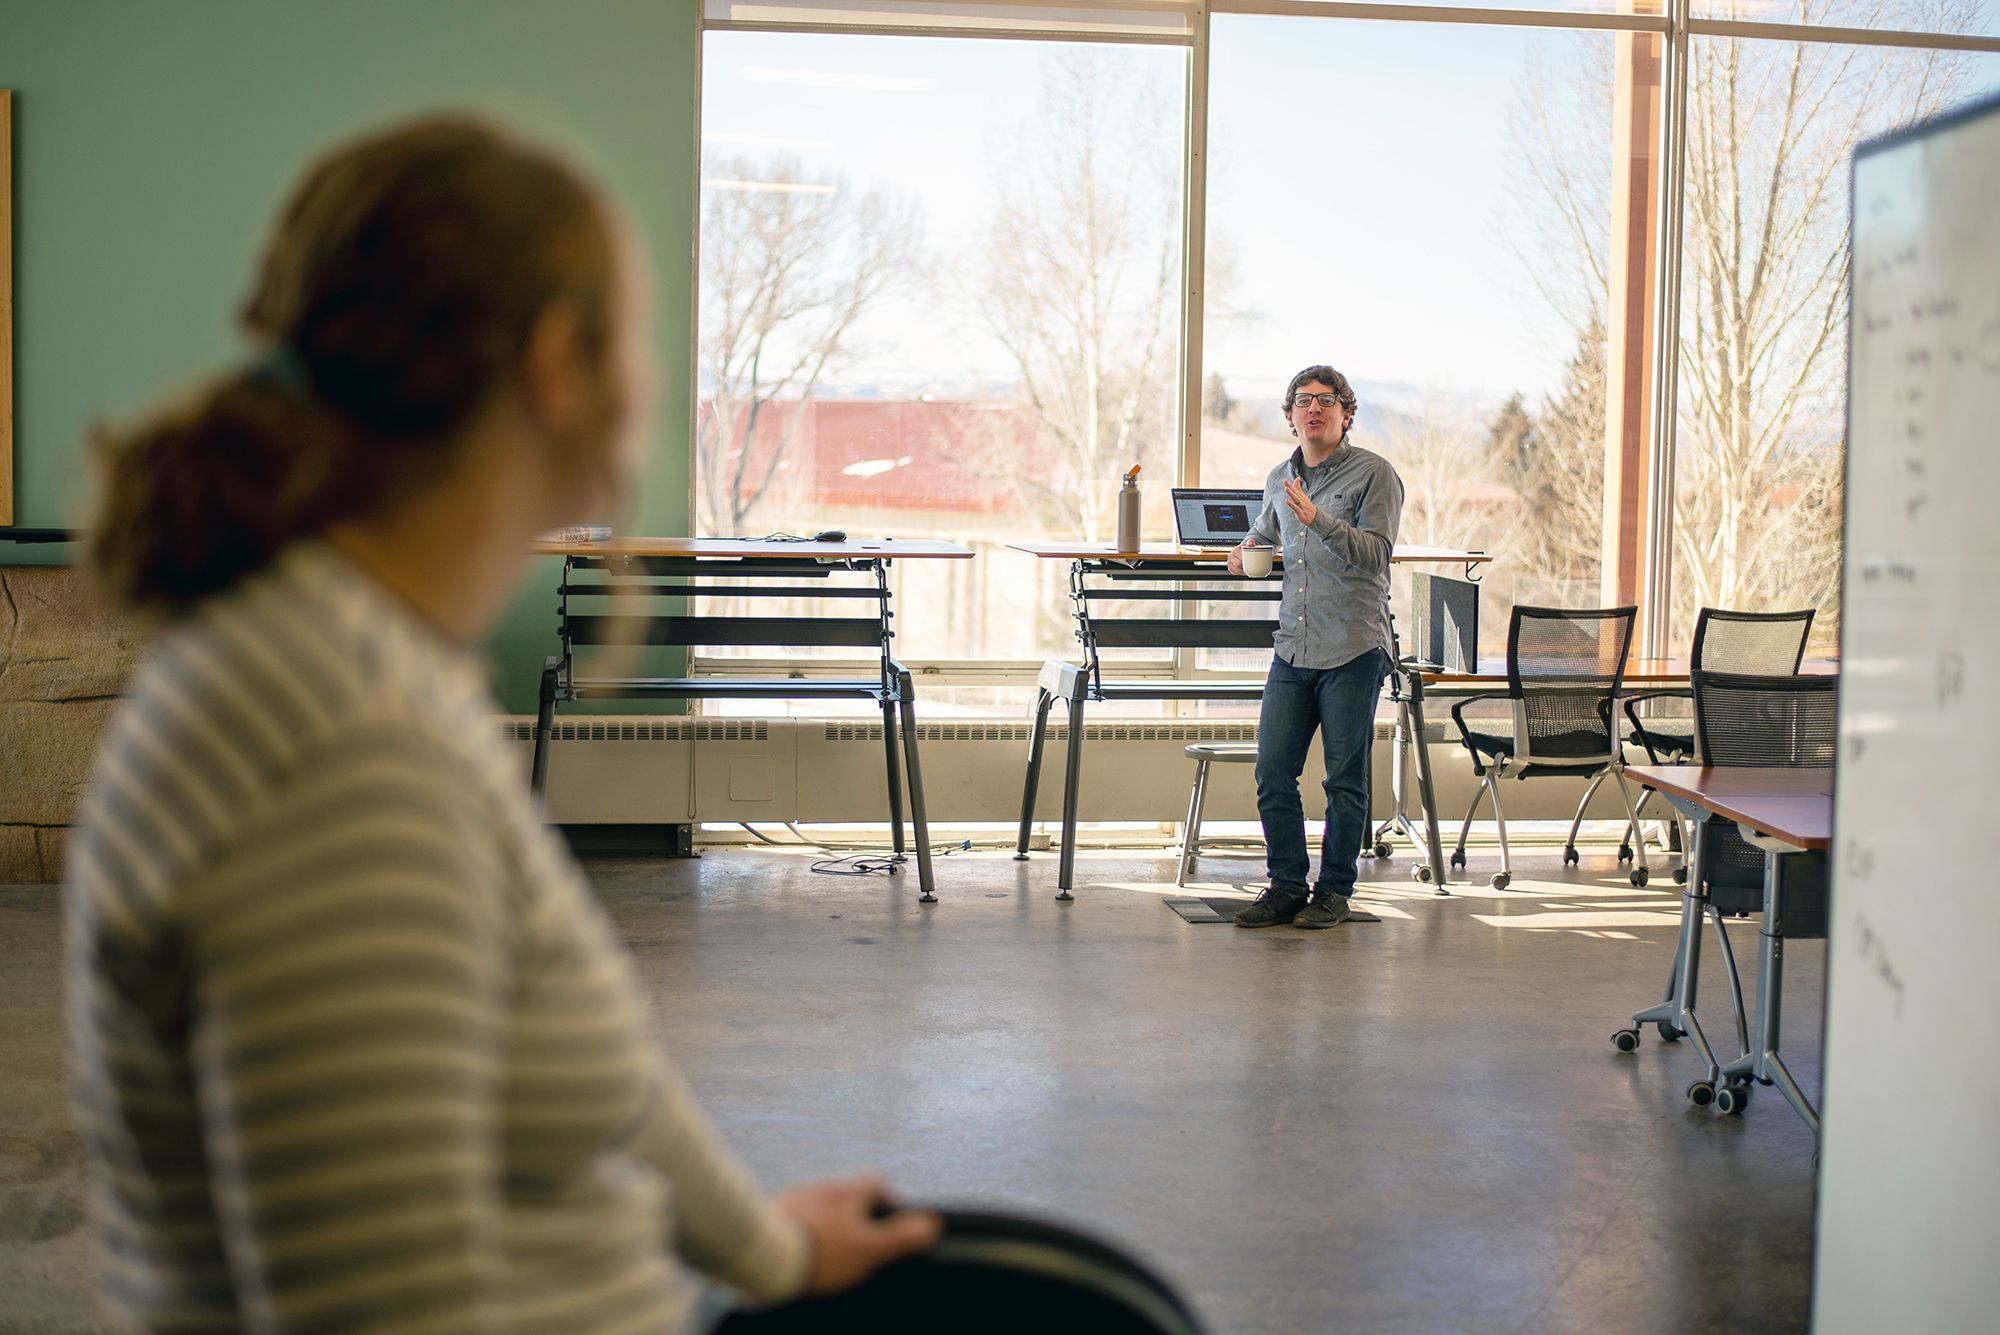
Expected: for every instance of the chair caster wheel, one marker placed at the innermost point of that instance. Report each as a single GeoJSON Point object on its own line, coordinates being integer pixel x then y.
{"type": "Point", "coordinates": [1680, 876]}
{"type": "Point", "coordinates": [1701, 1093]}
{"type": "Point", "coordinates": [1422, 872]}
{"type": "Point", "coordinates": [1669, 1034]}
{"type": "Point", "coordinates": [1639, 876]}
{"type": "Point", "coordinates": [1732, 1099]}
{"type": "Point", "coordinates": [1500, 880]}
{"type": "Point", "coordinates": [1624, 854]}
{"type": "Point", "coordinates": [1457, 860]}
{"type": "Point", "coordinates": [1626, 1040]}
{"type": "Point", "coordinates": [1570, 856]}
{"type": "Point", "coordinates": [1382, 851]}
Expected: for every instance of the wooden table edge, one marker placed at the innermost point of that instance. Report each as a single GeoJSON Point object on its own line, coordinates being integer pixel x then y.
{"type": "Point", "coordinates": [915, 550]}
{"type": "Point", "coordinates": [1072, 551]}
{"type": "Point", "coordinates": [1733, 806]}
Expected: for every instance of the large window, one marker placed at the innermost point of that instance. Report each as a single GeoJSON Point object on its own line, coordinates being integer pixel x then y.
{"type": "Point", "coordinates": [1763, 306]}
{"type": "Point", "coordinates": [940, 298]}
{"type": "Point", "coordinates": [1967, 17]}
{"type": "Point", "coordinates": [943, 289]}
{"type": "Point", "coordinates": [1429, 209]}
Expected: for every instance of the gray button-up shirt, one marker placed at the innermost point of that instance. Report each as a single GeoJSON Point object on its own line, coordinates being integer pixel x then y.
{"type": "Point", "coordinates": [1336, 599]}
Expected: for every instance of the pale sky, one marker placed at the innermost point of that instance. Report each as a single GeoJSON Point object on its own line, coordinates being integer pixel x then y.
{"type": "Point", "coordinates": [1396, 267]}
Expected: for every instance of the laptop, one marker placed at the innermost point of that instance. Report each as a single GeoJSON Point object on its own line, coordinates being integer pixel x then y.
{"type": "Point", "coordinates": [1215, 516]}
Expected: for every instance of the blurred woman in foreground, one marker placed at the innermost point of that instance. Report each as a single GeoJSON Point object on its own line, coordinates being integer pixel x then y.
{"type": "Point", "coordinates": [353, 1046]}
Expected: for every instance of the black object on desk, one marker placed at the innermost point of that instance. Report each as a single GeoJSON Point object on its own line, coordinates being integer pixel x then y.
{"type": "Point", "coordinates": [1446, 616]}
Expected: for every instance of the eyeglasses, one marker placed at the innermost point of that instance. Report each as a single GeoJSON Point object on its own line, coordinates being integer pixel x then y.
{"type": "Point", "coordinates": [1324, 400]}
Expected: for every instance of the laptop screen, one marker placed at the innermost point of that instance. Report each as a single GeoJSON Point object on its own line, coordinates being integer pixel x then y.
{"type": "Point", "coordinates": [1205, 517]}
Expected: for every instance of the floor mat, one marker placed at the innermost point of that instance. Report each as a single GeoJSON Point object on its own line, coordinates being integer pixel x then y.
{"type": "Point", "coordinates": [1224, 908]}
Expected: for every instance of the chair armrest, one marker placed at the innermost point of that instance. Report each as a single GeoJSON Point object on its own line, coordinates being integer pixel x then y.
{"type": "Point", "coordinates": [1458, 716]}
{"type": "Point", "coordinates": [1644, 738]}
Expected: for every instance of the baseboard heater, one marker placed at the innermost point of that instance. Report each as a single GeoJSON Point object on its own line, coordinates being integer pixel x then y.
{"type": "Point", "coordinates": [650, 771]}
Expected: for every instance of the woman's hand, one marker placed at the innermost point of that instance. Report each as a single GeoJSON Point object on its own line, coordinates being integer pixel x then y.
{"type": "Point", "coordinates": [849, 1243]}
{"type": "Point", "coordinates": [1302, 506]}
{"type": "Point", "coordinates": [1236, 560]}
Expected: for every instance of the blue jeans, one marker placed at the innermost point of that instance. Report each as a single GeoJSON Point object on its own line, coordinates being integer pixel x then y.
{"type": "Point", "coordinates": [1340, 704]}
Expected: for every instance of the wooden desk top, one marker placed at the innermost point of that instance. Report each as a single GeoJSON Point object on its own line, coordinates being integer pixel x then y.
{"type": "Point", "coordinates": [1793, 805]}
{"type": "Point", "coordinates": [1655, 672]}
{"type": "Point", "coordinates": [892, 549]}
{"type": "Point", "coordinates": [1104, 551]}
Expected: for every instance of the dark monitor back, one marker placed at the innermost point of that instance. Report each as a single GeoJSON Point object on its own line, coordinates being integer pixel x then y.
{"type": "Point", "coordinates": [1446, 612]}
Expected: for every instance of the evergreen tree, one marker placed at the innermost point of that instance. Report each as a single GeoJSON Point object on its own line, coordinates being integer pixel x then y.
{"type": "Point", "coordinates": [1554, 461]}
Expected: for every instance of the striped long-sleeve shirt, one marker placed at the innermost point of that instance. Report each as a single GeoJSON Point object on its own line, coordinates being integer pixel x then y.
{"type": "Point", "coordinates": [353, 1047]}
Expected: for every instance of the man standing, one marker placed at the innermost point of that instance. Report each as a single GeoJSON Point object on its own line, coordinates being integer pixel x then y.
{"type": "Point", "coordinates": [1333, 510]}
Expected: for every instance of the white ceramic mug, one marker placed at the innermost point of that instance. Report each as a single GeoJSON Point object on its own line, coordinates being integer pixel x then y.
{"type": "Point", "coordinates": [1256, 559]}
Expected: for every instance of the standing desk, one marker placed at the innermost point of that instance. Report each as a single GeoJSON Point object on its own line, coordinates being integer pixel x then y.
{"type": "Point", "coordinates": [610, 593]}
{"type": "Point", "coordinates": [1099, 573]}
{"type": "Point", "coordinates": [1783, 812]}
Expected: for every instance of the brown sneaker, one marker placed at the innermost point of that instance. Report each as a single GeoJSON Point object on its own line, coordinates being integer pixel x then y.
{"type": "Point", "coordinates": [1271, 909]}
{"type": "Point", "coordinates": [1326, 909]}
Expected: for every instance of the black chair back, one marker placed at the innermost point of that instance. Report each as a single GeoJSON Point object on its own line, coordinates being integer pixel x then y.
{"type": "Point", "coordinates": [1781, 721]}
{"type": "Point", "coordinates": [1785, 721]}
{"type": "Point", "coordinates": [1765, 643]}
{"type": "Point", "coordinates": [1564, 668]}
{"type": "Point", "coordinates": [994, 1274]}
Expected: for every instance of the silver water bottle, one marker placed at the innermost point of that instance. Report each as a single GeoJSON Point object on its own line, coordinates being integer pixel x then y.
{"type": "Point", "coordinates": [1128, 512]}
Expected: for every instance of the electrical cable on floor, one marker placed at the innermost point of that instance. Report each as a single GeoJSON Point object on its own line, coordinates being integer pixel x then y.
{"type": "Point", "coordinates": [760, 836]}
{"type": "Point", "coordinates": [832, 847]}
{"type": "Point", "coordinates": [857, 864]}
{"type": "Point", "coordinates": [937, 850]}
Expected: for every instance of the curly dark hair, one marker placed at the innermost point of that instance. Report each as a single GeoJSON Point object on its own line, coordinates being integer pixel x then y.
{"type": "Point", "coordinates": [1329, 377]}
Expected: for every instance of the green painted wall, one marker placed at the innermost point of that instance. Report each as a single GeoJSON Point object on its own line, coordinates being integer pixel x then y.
{"type": "Point", "coordinates": [154, 140]}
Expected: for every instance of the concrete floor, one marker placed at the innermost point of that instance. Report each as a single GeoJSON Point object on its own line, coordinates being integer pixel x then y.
{"type": "Point", "coordinates": [1417, 1125]}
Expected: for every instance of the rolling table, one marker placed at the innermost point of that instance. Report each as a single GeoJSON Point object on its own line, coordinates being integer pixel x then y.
{"type": "Point", "coordinates": [602, 582]}
{"type": "Point", "coordinates": [1099, 573]}
{"type": "Point", "coordinates": [1783, 812]}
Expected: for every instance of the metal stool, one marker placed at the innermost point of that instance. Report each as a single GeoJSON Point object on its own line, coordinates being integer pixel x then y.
{"type": "Point", "coordinates": [1203, 754]}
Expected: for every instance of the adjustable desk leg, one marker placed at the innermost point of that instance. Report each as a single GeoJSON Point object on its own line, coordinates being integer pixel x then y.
{"type": "Point", "coordinates": [545, 718]}
{"type": "Point", "coordinates": [1042, 702]}
{"type": "Point", "coordinates": [895, 775]}
{"type": "Point", "coordinates": [1762, 1062]}
{"type": "Point", "coordinates": [1426, 791]}
{"type": "Point", "coordinates": [1072, 777]}
{"type": "Point", "coordinates": [1399, 737]}
{"type": "Point", "coordinates": [1676, 1011]}
{"type": "Point", "coordinates": [919, 820]}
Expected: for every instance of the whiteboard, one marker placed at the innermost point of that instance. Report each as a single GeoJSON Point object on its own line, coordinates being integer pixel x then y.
{"type": "Point", "coordinates": [1909, 1204]}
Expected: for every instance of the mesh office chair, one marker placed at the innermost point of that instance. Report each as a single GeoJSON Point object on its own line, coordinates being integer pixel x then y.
{"type": "Point", "coordinates": [1776, 721]}
{"type": "Point", "coordinates": [1779, 721]}
{"type": "Point", "coordinates": [1765, 644]}
{"type": "Point", "coordinates": [1564, 671]}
